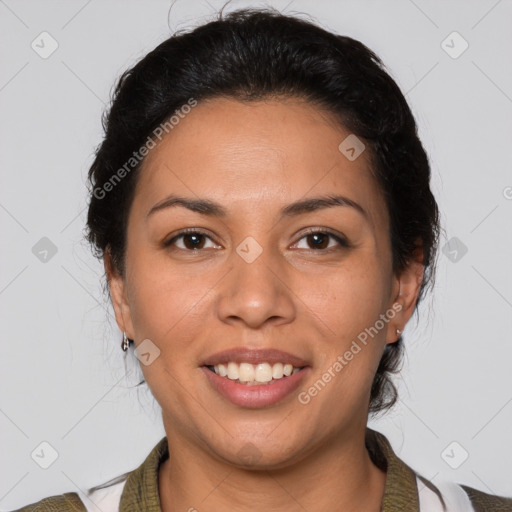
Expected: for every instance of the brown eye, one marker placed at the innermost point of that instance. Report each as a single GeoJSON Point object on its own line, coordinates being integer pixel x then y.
{"type": "Point", "coordinates": [193, 241]}
{"type": "Point", "coordinates": [190, 241]}
{"type": "Point", "coordinates": [322, 240]}
{"type": "Point", "coordinates": [318, 240]}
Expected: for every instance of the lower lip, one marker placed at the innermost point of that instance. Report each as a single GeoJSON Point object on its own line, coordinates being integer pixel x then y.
{"type": "Point", "coordinates": [255, 396]}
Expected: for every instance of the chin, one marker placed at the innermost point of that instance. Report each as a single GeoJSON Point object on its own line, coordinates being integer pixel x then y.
{"type": "Point", "coordinates": [258, 455]}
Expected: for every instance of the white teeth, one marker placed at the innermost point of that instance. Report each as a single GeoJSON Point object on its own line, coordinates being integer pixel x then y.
{"type": "Point", "coordinates": [288, 369]}
{"type": "Point", "coordinates": [277, 371]}
{"type": "Point", "coordinates": [246, 372]}
{"type": "Point", "coordinates": [263, 373]}
{"type": "Point", "coordinates": [232, 371]}
{"type": "Point", "coordinates": [249, 373]}
{"type": "Point", "coordinates": [222, 370]}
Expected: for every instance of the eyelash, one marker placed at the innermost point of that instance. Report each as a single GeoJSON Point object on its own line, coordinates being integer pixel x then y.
{"type": "Point", "coordinates": [343, 243]}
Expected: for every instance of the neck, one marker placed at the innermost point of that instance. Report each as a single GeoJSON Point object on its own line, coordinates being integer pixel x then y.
{"type": "Point", "coordinates": [339, 475]}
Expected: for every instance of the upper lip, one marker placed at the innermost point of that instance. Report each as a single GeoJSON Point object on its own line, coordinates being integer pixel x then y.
{"type": "Point", "coordinates": [247, 355]}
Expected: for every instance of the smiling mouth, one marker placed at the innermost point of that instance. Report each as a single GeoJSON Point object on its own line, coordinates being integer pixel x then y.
{"type": "Point", "coordinates": [254, 374]}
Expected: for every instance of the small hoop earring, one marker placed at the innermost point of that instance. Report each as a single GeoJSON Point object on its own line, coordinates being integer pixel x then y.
{"type": "Point", "coordinates": [399, 332]}
{"type": "Point", "coordinates": [126, 342]}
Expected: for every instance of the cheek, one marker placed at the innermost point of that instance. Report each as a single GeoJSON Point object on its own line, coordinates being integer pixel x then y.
{"type": "Point", "coordinates": [346, 299]}
{"type": "Point", "coordinates": [169, 311]}
{"type": "Point", "coordinates": [346, 309]}
{"type": "Point", "coordinates": [168, 305]}
{"type": "Point", "coordinates": [166, 298]}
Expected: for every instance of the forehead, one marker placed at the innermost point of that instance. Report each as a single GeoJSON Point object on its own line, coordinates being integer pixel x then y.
{"type": "Point", "coordinates": [264, 154]}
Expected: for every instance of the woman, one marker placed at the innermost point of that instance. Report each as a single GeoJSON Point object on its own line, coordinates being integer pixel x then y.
{"type": "Point", "coordinates": [262, 205]}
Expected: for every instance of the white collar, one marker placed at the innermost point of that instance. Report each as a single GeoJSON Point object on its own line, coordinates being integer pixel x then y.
{"type": "Point", "coordinates": [455, 498]}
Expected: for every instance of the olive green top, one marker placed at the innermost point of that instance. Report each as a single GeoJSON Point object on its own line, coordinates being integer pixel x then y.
{"type": "Point", "coordinates": [140, 492]}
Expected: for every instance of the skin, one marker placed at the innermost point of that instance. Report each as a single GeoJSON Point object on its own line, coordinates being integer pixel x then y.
{"type": "Point", "coordinates": [254, 159]}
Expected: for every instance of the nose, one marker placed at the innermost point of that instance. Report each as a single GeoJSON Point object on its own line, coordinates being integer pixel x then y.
{"type": "Point", "coordinates": [256, 291]}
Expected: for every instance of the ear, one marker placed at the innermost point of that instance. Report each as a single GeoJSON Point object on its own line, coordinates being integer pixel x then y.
{"type": "Point", "coordinates": [406, 289]}
{"type": "Point", "coordinates": [118, 294]}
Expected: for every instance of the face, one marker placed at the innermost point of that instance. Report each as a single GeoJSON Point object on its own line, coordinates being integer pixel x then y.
{"type": "Point", "coordinates": [255, 273]}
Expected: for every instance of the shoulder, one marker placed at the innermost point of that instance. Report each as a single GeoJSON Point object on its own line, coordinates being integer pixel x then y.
{"type": "Point", "coordinates": [68, 502]}
{"type": "Point", "coordinates": [102, 498]}
{"type": "Point", "coordinates": [450, 496]}
{"type": "Point", "coordinates": [483, 502]}
{"type": "Point", "coordinates": [105, 497]}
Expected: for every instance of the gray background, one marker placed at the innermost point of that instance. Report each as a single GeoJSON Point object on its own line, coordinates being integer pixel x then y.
{"type": "Point", "coordinates": [62, 374]}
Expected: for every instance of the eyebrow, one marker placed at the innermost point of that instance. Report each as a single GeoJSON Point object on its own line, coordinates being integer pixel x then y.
{"type": "Point", "coordinates": [213, 209]}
